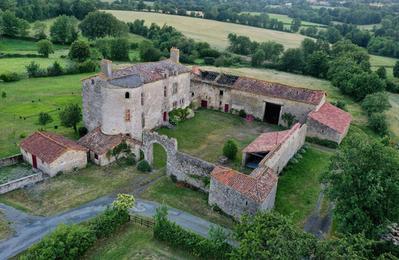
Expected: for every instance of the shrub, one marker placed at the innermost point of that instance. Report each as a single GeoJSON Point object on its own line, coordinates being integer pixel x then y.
{"type": "Point", "coordinates": [45, 118]}
{"type": "Point", "coordinates": [288, 118]}
{"type": "Point", "coordinates": [131, 159]}
{"type": "Point", "coordinates": [10, 77]}
{"type": "Point", "coordinates": [178, 115]}
{"type": "Point", "coordinates": [79, 50]}
{"type": "Point", "coordinates": [242, 113]}
{"type": "Point", "coordinates": [3, 94]}
{"type": "Point", "coordinates": [55, 70]}
{"type": "Point", "coordinates": [45, 47]}
{"type": "Point", "coordinates": [209, 60]}
{"type": "Point", "coordinates": [392, 87]}
{"type": "Point", "coordinates": [177, 237]}
{"type": "Point", "coordinates": [340, 104]}
{"type": "Point", "coordinates": [376, 103]}
{"type": "Point", "coordinates": [87, 66]}
{"type": "Point", "coordinates": [66, 242]}
{"type": "Point", "coordinates": [34, 70]}
{"type": "Point", "coordinates": [82, 131]}
{"type": "Point", "coordinates": [144, 166]}
{"type": "Point", "coordinates": [378, 123]}
{"type": "Point", "coordinates": [230, 149]}
{"type": "Point", "coordinates": [382, 72]}
{"type": "Point", "coordinates": [106, 223]}
{"type": "Point", "coordinates": [323, 142]}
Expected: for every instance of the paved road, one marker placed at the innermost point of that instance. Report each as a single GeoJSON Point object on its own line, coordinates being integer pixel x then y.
{"type": "Point", "coordinates": [29, 229]}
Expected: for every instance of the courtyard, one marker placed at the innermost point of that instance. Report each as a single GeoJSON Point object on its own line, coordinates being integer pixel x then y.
{"type": "Point", "coordinates": [13, 172]}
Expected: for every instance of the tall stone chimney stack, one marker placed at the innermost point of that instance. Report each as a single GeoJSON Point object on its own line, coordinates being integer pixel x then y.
{"type": "Point", "coordinates": [106, 68]}
{"type": "Point", "coordinates": [175, 55]}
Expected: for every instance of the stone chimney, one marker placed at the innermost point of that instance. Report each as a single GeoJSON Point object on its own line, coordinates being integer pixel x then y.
{"type": "Point", "coordinates": [175, 55]}
{"type": "Point", "coordinates": [106, 68]}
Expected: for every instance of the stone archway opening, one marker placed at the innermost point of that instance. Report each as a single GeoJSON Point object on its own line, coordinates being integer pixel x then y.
{"type": "Point", "coordinates": [159, 156]}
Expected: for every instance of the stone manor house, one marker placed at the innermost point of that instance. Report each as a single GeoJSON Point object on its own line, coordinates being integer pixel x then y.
{"type": "Point", "coordinates": [126, 104]}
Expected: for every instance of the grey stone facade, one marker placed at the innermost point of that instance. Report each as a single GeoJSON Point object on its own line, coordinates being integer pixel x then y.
{"type": "Point", "coordinates": [20, 183]}
{"type": "Point", "coordinates": [11, 160]}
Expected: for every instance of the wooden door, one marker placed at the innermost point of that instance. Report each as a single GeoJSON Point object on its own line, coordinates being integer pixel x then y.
{"type": "Point", "coordinates": [165, 116]}
{"type": "Point", "coordinates": [204, 104]}
{"type": "Point", "coordinates": [34, 161]}
{"type": "Point", "coordinates": [226, 108]}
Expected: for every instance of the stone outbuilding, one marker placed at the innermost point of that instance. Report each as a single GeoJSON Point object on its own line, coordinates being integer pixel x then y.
{"type": "Point", "coordinates": [52, 153]}
{"type": "Point", "coordinates": [329, 123]}
{"type": "Point", "coordinates": [236, 193]}
{"type": "Point", "coordinates": [100, 146]}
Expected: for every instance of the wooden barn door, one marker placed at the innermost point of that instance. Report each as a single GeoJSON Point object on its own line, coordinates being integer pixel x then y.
{"type": "Point", "coordinates": [204, 104]}
{"type": "Point", "coordinates": [226, 108]}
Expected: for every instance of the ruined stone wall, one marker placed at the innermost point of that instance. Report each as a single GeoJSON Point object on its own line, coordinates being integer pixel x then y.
{"type": "Point", "coordinates": [255, 105]}
{"type": "Point", "coordinates": [184, 167]}
{"type": "Point", "coordinates": [315, 129]}
{"type": "Point", "coordinates": [210, 93]}
{"type": "Point", "coordinates": [230, 201]}
{"type": "Point", "coordinates": [279, 158]}
{"type": "Point", "coordinates": [22, 182]}
{"type": "Point", "coordinates": [11, 160]}
{"type": "Point", "coordinates": [92, 102]}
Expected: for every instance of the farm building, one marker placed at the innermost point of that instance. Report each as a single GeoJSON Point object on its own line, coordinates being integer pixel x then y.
{"type": "Point", "coordinates": [52, 153]}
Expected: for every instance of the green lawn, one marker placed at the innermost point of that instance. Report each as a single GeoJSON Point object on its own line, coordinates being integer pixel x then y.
{"type": "Point", "coordinates": [5, 229]}
{"type": "Point", "coordinates": [194, 202]}
{"type": "Point", "coordinates": [286, 19]}
{"type": "Point", "coordinates": [26, 99]}
{"type": "Point", "coordinates": [205, 134]}
{"type": "Point", "coordinates": [14, 172]}
{"type": "Point", "coordinates": [388, 63]}
{"type": "Point", "coordinates": [133, 242]}
{"type": "Point", "coordinates": [70, 190]}
{"type": "Point", "coordinates": [299, 185]}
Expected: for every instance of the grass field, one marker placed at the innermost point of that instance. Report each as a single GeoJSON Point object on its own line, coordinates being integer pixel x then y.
{"type": "Point", "coordinates": [286, 19]}
{"type": "Point", "coordinates": [5, 229]}
{"type": "Point", "coordinates": [26, 99]}
{"type": "Point", "coordinates": [299, 186]}
{"type": "Point", "coordinates": [67, 191]}
{"type": "Point", "coordinates": [393, 114]}
{"type": "Point", "coordinates": [133, 242]}
{"type": "Point", "coordinates": [194, 202]}
{"type": "Point", "coordinates": [213, 32]}
{"type": "Point", "coordinates": [380, 61]}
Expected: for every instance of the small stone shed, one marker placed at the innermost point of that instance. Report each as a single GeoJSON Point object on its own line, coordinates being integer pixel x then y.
{"type": "Point", "coordinates": [52, 153]}
{"type": "Point", "coordinates": [100, 145]}
{"type": "Point", "coordinates": [329, 123]}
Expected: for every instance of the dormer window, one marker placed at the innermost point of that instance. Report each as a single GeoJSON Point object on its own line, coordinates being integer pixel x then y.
{"type": "Point", "coordinates": [127, 95]}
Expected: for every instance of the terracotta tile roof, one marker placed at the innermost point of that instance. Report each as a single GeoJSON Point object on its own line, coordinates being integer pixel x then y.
{"type": "Point", "coordinates": [333, 117]}
{"type": "Point", "coordinates": [261, 87]}
{"type": "Point", "coordinates": [49, 146]}
{"type": "Point", "coordinates": [100, 143]}
{"type": "Point", "coordinates": [267, 142]}
{"type": "Point", "coordinates": [256, 187]}
{"type": "Point", "coordinates": [150, 71]}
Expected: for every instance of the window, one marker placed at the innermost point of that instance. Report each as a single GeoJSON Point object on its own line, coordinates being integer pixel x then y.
{"type": "Point", "coordinates": [174, 90]}
{"type": "Point", "coordinates": [174, 104]}
{"type": "Point", "coordinates": [96, 156]}
{"type": "Point", "coordinates": [127, 95]}
{"type": "Point", "coordinates": [165, 91]}
{"type": "Point", "coordinates": [221, 92]}
{"type": "Point", "coordinates": [142, 99]}
{"type": "Point", "coordinates": [142, 120]}
{"type": "Point", "coordinates": [92, 81]}
{"type": "Point", "coordinates": [192, 94]}
{"type": "Point", "coordinates": [127, 115]}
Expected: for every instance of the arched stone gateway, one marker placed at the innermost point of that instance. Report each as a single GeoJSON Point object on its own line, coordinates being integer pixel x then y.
{"type": "Point", "coordinates": [183, 167]}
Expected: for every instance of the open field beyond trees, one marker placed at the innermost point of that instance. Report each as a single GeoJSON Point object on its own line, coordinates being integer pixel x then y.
{"type": "Point", "coordinates": [213, 32]}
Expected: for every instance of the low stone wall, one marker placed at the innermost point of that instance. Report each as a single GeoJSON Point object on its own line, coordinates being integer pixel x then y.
{"type": "Point", "coordinates": [10, 160]}
{"type": "Point", "coordinates": [22, 182]}
{"type": "Point", "coordinates": [191, 170]}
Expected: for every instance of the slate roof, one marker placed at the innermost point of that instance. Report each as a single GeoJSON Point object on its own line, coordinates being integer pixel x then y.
{"type": "Point", "coordinates": [143, 73]}
{"type": "Point", "coordinates": [267, 142]}
{"type": "Point", "coordinates": [332, 117]}
{"type": "Point", "coordinates": [255, 188]}
{"type": "Point", "coordinates": [49, 146]}
{"type": "Point", "coordinates": [261, 87]}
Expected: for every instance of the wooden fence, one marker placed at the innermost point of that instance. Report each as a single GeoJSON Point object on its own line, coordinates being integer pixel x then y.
{"type": "Point", "coordinates": [143, 221]}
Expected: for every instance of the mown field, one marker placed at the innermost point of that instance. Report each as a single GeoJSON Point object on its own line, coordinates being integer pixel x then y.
{"type": "Point", "coordinates": [286, 19]}
{"type": "Point", "coordinates": [213, 32]}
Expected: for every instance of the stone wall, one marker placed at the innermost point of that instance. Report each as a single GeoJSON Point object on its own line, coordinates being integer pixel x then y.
{"type": "Point", "coordinates": [315, 129]}
{"type": "Point", "coordinates": [230, 201]}
{"type": "Point", "coordinates": [184, 167]}
{"type": "Point", "coordinates": [279, 158]}
{"type": "Point", "coordinates": [211, 94]}
{"type": "Point", "coordinates": [22, 182]}
{"type": "Point", "coordinates": [92, 102]}
{"type": "Point", "coordinates": [11, 160]}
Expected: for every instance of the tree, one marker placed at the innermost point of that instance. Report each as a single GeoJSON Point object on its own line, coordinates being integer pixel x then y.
{"type": "Point", "coordinates": [317, 64]}
{"type": "Point", "coordinates": [80, 8]}
{"type": "Point", "coordinates": [378, 123]}
{"type": "Point", "coordinates": [396, 70]}
{"type": "Point", "coordinates": [269, 235]}
{"type": "Point", "coordinates": [295, 24]}
{"type": "Point", "coordinates": [100, 24]}
{"type": "Point", "coordinates": [148, 52]}
{"type": "Point", "coordinates": [292, 60]}
{"type": "Point", "coordinates": [70, 116]}
{"type": "Point", "coordinates": [258, 58]}
{"type": "Point", "coordinates": [360, 85]}
{"type": "Point", "coordinates": [344, 247]}
{"type": "Point", "coordinates": [79, 50]}
{"type": "Point", "coordinates": [45, 47]}
{"type": "Point", "coordinates": [144, 166]}
{"type": "Point", "coordinates": [39, 29]}
{"type": "Point", "coordinates": [376, 103]}
{"type": "Point", "coordinates": [272, 50]}
{"type": "Point", "coordinates": [119, 49]}
{"type": "Point", "coordinates": [55, 69]}
{"type": "Point", "coordinates": [363, 182]}
{"type": "Point", "coordinates": [124, 202]}
{"type": "Point", "coordinates": [382, 72]}
{"type": "Point", "coordinates": [45, 118]}
{"type": "Point", "coordinates": [14, 26]}
{"type": "Point", "coordinates": [230, 149]}
{"type": "Point", "coordinates": [64, 30]}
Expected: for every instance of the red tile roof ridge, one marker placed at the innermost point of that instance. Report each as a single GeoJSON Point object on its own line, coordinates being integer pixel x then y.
{"type": "Point", "coordinates": [51, 139]}
{"type": "Point", "coordinates": [332, 117]}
